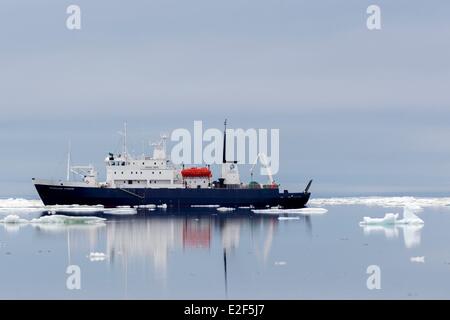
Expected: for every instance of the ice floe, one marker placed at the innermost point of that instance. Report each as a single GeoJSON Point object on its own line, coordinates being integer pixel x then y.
{"type": "Point", "coordinates": [10, 205]}
{"type": "Point", "coordinates": [411, 225]}
{"type": "Point", "coordinates": [13, 219]}
{"type": "Point", "coordinates": [20, 203]}
{"type": "Point", "coordinates": [304, 211]}
{"type": "Point", "coordinates": [418, 259]}
{"type": "Point", "coordinates": [225, 209]}
{"type": "Point", "coordinates": [162, 206]}
{"type": "Point", "coordinates": [74, 209]}
{"type": "Point", "coordinates": [97, 256]}
{"type": "Point", "coordinates": [409, 217]}
{"type": "Point", "coordinates": [146, 206]}
{"type": "Point", "coordinates": [61, 219]}
{"type": "Point", "coordinates": [53, 219]}
{"type": "Point", "coordinates": [120, 210]}
{"type": "Point", "coordinates": [387, 202]}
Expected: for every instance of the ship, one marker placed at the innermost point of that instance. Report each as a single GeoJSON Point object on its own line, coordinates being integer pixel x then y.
{"type": "Point", "coordinates": [155, 180]}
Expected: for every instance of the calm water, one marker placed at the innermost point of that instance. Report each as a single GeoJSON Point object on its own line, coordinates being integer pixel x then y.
{"type": "Point", "coordinates": [202, 253]}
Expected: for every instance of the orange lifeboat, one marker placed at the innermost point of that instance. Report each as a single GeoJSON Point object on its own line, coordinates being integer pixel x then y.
{"type": "Point", "coordinates": [201, 172]}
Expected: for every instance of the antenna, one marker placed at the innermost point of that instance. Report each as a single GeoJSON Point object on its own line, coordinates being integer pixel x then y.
{"type": "Point", "coordinates": [125, 152]}
{"type": "Point", "coordinates": [124, 141]}
{"type": "Point", "coordinates": [68, 161]}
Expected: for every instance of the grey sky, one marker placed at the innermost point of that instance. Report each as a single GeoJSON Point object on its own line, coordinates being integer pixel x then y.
{"type": "Point", "coordinates": [360, 111]}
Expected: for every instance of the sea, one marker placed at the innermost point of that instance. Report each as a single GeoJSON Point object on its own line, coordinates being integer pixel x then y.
{"type": "Point", "coordinates": [320, 252]}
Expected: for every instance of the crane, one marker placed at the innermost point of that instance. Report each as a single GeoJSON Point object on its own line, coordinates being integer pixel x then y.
{"type": "Point", "coordinates": [264, 162]}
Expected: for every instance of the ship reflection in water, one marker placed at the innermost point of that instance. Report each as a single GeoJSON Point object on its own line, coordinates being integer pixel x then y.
{"type": "Point", "coordinates": [206, 254]}
{"type": "Point", "coordinates": [151, 245]}
{"type": "Point", "coordinates": [154, 238]}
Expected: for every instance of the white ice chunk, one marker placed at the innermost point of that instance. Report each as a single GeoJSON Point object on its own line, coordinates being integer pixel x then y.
{"type": "Point", "coordinates": [120, 210]}
{"type": "Point", "coordinates": [280, 263]}
{"type": "Point", "coordinates": [13, 219]}
{"type": "Point", "coordinates": [147, 206]}
{"type": "Point", "coordinates": [20, 203]}
{"type": "Point", "coordinates": [304, 211]}
{"type": "Point", "coordinates": [308, 211]}
{"type": "Point", "coordinates": [162, 206]}
{"type": "Point", "coordinates": [225, 209]}
{"type": "Point", "coordinates": [61, 219]}
{"type": "Point", "coordinates": [418, 259]}
{"type": "Point", "coordinates": [97, 256]}
{"type": "Point", "coordinates": [409, 217]}
{"type": "Point", "coordinates": [53, 219]}
{"type": "Point", "coordinates": [12, 205]}
{"type": "Point", "coordinates": [74, 209]}
{"type": "Point", "coordinates": [389, 218]}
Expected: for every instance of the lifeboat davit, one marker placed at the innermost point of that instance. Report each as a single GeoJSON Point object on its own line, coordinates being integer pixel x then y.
{"type": "Point", "coordinates": [200, 172]}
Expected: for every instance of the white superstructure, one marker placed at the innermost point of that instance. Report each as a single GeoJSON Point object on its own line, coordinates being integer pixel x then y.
{"type": "Point", "coordinates": [143, 172]}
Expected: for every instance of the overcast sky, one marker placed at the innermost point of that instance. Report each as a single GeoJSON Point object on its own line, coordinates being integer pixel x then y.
{"type": "Point", "coordinates": [361, 112]}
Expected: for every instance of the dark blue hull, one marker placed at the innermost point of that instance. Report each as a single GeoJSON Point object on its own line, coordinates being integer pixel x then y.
{"type": "Point", "coordinates": [175, 198]}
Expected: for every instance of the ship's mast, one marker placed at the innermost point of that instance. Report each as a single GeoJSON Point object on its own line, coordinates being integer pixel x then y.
{"type": "Point", "coordinates": [125, 151]}
{"type": "Point", "coordinates": [68, 162]}
{"type": "Point", "coordinates": [224, 159]}
{"type": "Point", "coordinates": [124, 141]}
{"type": "Point", "coordinates": [224, 154]}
